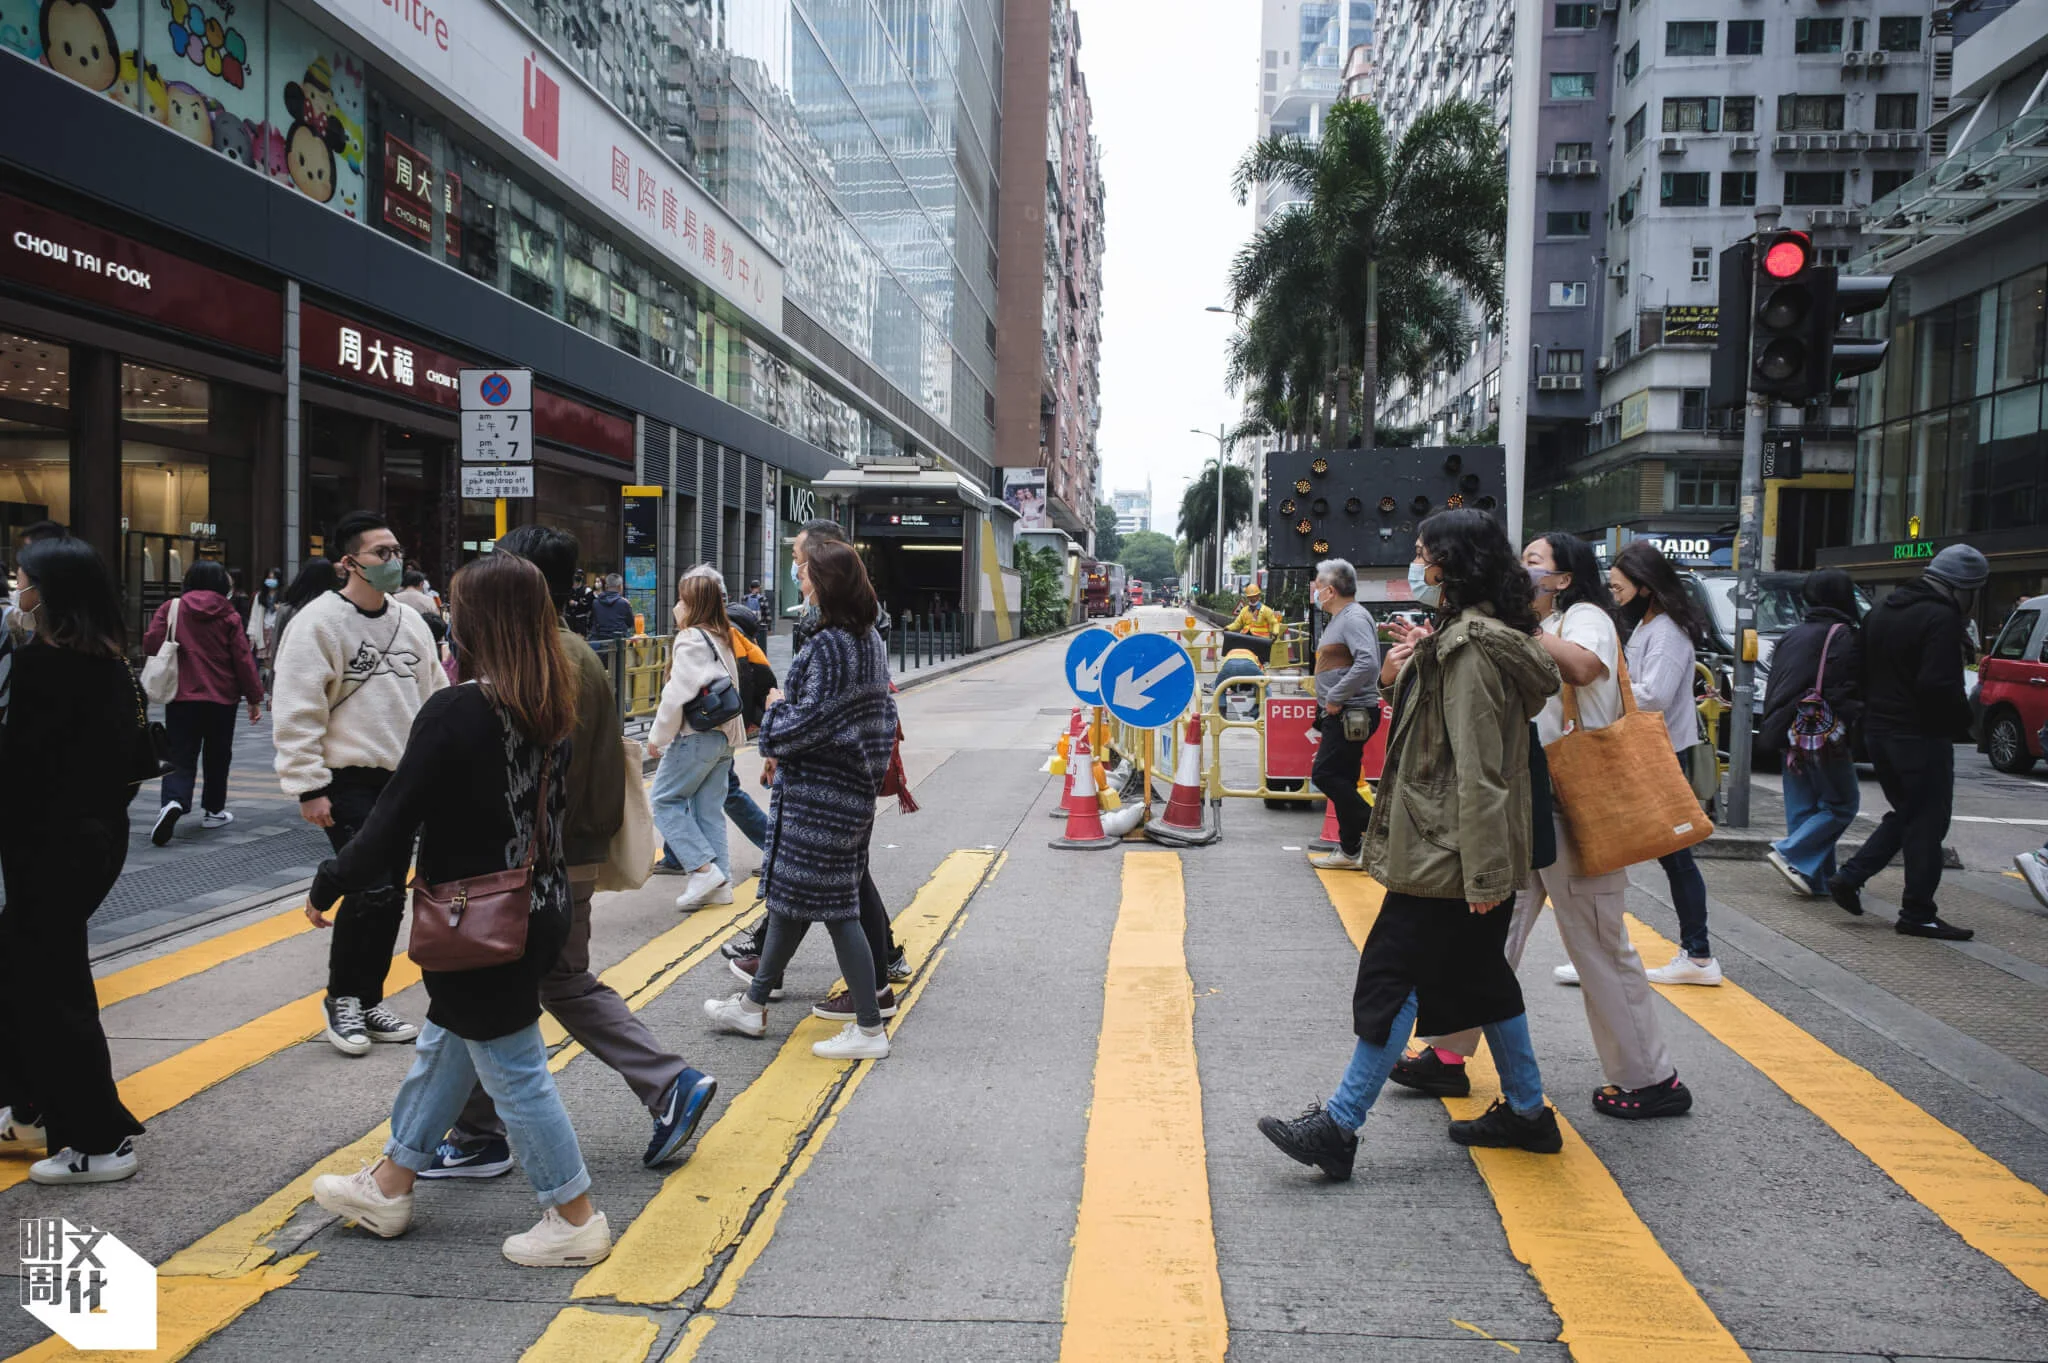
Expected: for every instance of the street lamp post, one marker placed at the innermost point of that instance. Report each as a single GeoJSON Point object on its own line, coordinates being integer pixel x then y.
{"type": "Point", "coordinates": [1222, 444]}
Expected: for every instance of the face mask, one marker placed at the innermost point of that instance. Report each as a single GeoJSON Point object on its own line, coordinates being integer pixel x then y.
{"type": "Point", "coordinates": [271, 583]}
{"type": "Point", "coordinates": [385, 577]}
{"type": "Point", "coordinates": [794, 580]}
{"type": "Point", "coordinates": [1634, 609]}
{"type": "Point", "coordinates": [1536, 576]}
{"type": "Point", "coordinates": [1429, 593]}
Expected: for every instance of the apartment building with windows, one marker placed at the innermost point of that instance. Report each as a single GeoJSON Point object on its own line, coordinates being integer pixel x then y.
{"type": "Point", "coordinates": [1310, 57]}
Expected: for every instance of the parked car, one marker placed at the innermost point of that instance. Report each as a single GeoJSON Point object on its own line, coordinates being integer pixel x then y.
{"type": "Point", "coordinates": [1780, 604]}
{"type": "Point", "coordinates": [2012, 689]}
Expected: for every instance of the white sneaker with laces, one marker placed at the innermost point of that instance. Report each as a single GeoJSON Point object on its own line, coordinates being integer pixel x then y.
{"type": "Point", "coordinates": [555, 1243]}
{"type": "Point", "coordinates": [216, 818]}
{"type": "Point", "coordinates": [721, 895]}
{"type": "Point", "coordinates": [1566, 973]}
{"type": "Point", "coordinates": [1685, 970]}
{"type": "Point", "coordinates": [701, 885]}
{"type": "Point", "coordinates": [72, 1166]}
{"type": "Point", "coordinates": [854, 1042]}
{"type": "Point", "coordinates": [1801, 886]}
{"type": "Point", "coordinates": [736, 1014]}
{"type": "Point", "coordinates": [2033, 868]}
{"type": "Point", "coordinates": [1335, 860]}
{"type": "Point", "coordinates": [16, 1134]}
{"type": "Point", "coordinates": [357, 1199]}
{"type": "Point", "coordinates": [385, 1025]}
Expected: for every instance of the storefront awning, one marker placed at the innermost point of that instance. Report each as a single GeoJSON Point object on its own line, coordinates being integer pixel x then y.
{"type": "Point", "coordinates": [900, 480]}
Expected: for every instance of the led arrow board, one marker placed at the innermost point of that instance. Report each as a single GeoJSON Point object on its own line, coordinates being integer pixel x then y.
{"type": "Point", "coordinates": [1148, 680]}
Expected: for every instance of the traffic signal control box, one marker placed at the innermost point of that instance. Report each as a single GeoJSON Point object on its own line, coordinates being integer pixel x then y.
{"type": "Point", "coordinates": [1363, 505]}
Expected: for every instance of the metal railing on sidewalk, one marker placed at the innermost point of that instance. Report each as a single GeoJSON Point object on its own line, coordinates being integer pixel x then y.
{"type": "Point", "coordinates": [921, 640]}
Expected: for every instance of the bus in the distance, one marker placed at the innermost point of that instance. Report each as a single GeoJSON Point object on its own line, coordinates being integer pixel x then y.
{"type": "Point", "coordinates": [1137, 592]}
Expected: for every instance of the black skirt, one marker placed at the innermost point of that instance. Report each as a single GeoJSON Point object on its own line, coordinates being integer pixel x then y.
{"type": "Point", "coordinates": [1454, 960]}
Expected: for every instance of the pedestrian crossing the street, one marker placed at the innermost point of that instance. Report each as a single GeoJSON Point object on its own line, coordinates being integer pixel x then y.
{"type": "Point", "coordinates": [1054, 1162]}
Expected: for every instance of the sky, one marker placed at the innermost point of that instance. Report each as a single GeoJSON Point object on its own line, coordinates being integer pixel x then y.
{"type": "Point", "coordinates": [1176, 96]}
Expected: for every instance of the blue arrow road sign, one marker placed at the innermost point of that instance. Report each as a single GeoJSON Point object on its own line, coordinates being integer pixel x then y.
{"type": "Point", "coordinates": [1148, 680]}
{"type": "Point", "coordinates": [1084, 663]}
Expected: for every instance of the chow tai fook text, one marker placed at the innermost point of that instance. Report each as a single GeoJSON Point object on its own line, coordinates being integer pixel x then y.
{"type": "Point", "coordinates": [83, 260]}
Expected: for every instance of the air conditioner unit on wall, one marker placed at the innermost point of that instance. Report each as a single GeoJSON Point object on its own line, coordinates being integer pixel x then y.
{"type": "Point", "coordinates": [1547, 383]}
{"type": "Point", "coordinates": [1880, 58]}
{"type": "Point", "coordinates": [1618, 271]}
{"type": "Point", "coordinates": [1605, 363]}
{"type": "Point", "coordinates": [1851, 59]}
{"type": "Point", "coordinates": [1588, 168]}
{"type": "Point", "coordinates": [1570, 383]}
{"type": "Point", "coordinates": [1671, 146]}
{"type": "Point", "coordinates": [1742, 143]}
{"type": "Point", "coordinates": [1560, 168]}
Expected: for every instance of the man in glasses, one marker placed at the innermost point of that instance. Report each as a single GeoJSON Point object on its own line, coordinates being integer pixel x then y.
{"type": "Point", "coordinates": [351, 674]}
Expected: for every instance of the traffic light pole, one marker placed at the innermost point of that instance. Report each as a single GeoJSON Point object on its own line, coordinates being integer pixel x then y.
{"type": "Point", "coordinates": [1749, 543]}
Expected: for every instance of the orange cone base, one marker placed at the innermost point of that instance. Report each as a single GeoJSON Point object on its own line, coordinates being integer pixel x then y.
{"type": "Point", "coordinates": [1178, 835]}
{"type": "Point", "coordinates": [1328, 838]}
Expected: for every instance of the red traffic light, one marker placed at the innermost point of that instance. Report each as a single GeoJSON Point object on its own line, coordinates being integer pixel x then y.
{"type": "Point", "coordinates": [1788, 255]}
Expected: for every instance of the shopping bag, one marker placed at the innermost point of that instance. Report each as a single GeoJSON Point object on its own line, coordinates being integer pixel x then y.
{"type": "Point", "coordinates": [630, 859]}
{"type": "Point", "coordinates": [1622, 796]}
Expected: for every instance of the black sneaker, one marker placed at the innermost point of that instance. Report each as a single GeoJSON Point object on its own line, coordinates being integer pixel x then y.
{"type": "Point", "coordinates": [1668, 1099]}
{"type": "Point", "coordinates": [1935, 928]}
{"type": "Point", "coordinates": [1427, 1073]}
{"type": "Point", "coordinates": [1848, 896]}
{"type": "Point", "coordinates": [455, 1158]}
{"type": "Point", "coordinates": [1314, 1138]}
{"type": "Point", "coordinates": [899, 967]}
{"type": "Point", "coordinates": [1502, 1127]}
{"type": "Point", "coordinates": [748, 943]}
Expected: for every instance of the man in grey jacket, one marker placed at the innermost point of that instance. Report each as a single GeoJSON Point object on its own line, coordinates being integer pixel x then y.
{"type": "Point", "coordinates": [1347, 682]}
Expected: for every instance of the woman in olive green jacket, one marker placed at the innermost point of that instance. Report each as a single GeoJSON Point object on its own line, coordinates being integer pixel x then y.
{"type": "Point", "coordinates": [1449, 840]}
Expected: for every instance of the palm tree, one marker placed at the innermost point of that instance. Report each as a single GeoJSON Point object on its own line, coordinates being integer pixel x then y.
{"type": "Point", "coordinates": [1386, 234]}
{"type": "Point", "coordinates": [1198, 513]}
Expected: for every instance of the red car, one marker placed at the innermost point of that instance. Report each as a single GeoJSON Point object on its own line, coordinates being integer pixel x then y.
{"type": "Point", "coordinates": [2012, 687]}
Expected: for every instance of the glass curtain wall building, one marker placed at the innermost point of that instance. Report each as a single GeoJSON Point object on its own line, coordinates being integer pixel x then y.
{"type": "Point", "coordinates": [857, 141]}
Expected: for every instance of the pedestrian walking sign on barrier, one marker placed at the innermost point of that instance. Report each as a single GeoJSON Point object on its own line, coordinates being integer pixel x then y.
{"type": "Point", "coordinates": [1148, 680]}
{"type": "Point", "coordinates": [1084, 663]}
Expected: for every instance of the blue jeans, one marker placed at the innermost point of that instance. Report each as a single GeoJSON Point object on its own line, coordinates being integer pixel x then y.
{"type": "Point", "coordinates": [1514, 1056]}
{"type": "Point", "coordinates": [1821, 799]}
{"type": "Point", "coordinates": [750, 817]}
{"type": "Point", "coordinates": [514, 1070]}
{"type": "Point", "coordinates": [689, 800]}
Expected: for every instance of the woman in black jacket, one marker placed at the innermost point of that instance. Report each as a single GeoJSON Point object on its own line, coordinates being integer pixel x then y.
{"type": "Point", "coordinates": [70, 743]}
{"type": "Point", "coordinates": [470, 784]}
{"type": "Point", "coordinates": [1821, 794]}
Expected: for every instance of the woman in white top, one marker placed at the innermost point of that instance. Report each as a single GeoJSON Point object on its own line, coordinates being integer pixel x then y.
{"type": "Point", "coordinates": [690, 784]}
{"type": "Point", "coordinates": [1666, 628]}
{"type": "Point", "coordinates": [1580, 636]}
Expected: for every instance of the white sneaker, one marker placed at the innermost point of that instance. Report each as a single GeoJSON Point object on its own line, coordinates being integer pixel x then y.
{"type": "Point", "coordinates": [69, 1166]}
{"type": "Point", "coordinates": [735, 1014]}
{"type": "Point", "coordinates": [357, 1199]}
{"type": "Point", "coordinates": [721, 895]}
{"type": "Point", "coordinates": [854, 1042]}
{"type": "Point", "coordinates": [2033, 868]}
{"type": "Point", "coordinates": [701, 885]}
{"type": "Point", "coordinates": [17, 1135]}
{"type": "Point", "coordinates": [216, 819]}
{"type": "Point", "coordinates": [1685, 970]}
{"type": "Point", "coordinates": [1335, 860]}
{"type": "Point", "coordinates": [1801, 886]}
{"type": "Point", "coordinates": [1565, 974]}
{"type": "Point", "coordinates": [554, 1243]}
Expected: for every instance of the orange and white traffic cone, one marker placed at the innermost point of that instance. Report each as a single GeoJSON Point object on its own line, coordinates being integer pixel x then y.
{"type": "Point", "coordinates": [1330, 835]}
{"type": "Point", "coordinates": [1183, 824]}
{"type": "Point", "coordinates": [1076, 726]}
{"type": "Point", "coordinates": [1084, 806]}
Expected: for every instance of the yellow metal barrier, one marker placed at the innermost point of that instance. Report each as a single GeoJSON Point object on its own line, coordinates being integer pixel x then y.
{"type": "Point", "coordinates": [1216, 723]}
{"type": "Point", "coordinates": [644, 669]}
{"type": "Point", "coordinates": [1712, 705]}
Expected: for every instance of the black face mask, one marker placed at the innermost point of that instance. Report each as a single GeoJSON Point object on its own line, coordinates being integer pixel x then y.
{"type": "Point", "coordinates": [1635, 608]}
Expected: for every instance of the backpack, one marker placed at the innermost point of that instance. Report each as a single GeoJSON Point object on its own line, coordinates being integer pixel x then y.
{"type": "Point", "coordinates": [1814, 725]}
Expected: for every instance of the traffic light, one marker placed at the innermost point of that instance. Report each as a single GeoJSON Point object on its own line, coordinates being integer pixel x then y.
{"type": "Point", "coordinates": [1853, 353]}
{"type": "Point", "coordinates": [1728, 385]}
{"type": "Point", "coordinates": [1791, 324]}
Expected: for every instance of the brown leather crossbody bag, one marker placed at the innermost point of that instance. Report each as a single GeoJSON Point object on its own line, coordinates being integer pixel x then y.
{"type": "Point", "coordinates": [478, 921]}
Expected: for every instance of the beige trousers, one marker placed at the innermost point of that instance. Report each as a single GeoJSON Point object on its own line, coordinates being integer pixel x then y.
{"type": "Point", "coordinates": [1618, 997]}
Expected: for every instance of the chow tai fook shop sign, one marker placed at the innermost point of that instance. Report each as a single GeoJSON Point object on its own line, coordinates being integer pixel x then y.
{"type": "Point", "coordinates": [499, 72]}
{"type": "Point", "coordinates": [58, 254]}
{"type": "Point", "coordinates": [360, 353]}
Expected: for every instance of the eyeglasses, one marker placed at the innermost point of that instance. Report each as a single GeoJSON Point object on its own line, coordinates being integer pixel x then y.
{"type": "Point", "coordinates": [383, 553]}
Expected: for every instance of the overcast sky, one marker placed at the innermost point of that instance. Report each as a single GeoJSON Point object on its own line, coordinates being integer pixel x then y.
{"type": "Point", "coordinates": [1176, 104]}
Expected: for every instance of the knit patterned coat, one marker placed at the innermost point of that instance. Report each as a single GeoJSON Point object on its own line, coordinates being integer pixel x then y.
{"type": "Point", "coordinates": [831, 738]}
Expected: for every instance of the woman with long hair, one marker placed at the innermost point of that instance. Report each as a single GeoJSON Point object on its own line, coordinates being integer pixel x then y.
{"type": "Point", "coordinates": [316, 577]}
{"type": "Point", "coordinates": [263, 623]}
{"type": "Point", "coordinates": [831, 738]}
{"type": "Point", "coordinates": [691, 783]}
{"type": "Point", "coordinates": [1457, 766]}
{"type": "Point", "coordinates": [1665, 629]}
{"type": "Point", "coordinates": [1821, 793]}
{"type": "Point", "coordinates": [482, 783]}
{"type": "Point", "coordinates": [216, 668]}
{"type": "Point", "coordinates": [70, 746]}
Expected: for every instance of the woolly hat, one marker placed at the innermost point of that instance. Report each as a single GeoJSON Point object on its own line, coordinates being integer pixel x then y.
{"type": "Point", "coordinates": [1960, 566]}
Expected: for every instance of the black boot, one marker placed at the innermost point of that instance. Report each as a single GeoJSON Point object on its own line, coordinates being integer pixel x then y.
{"type": "Point", "coordinates": [1314, 1138]}
{"type": "Point", "coordinates": [1427, 1073]}
{"type": "Point", "coordinates": [1848, 896]}
{"type": "Point", "coordinates": [1501, 1126]}
{"type": "Point", "coordinates": [1935, 928]}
